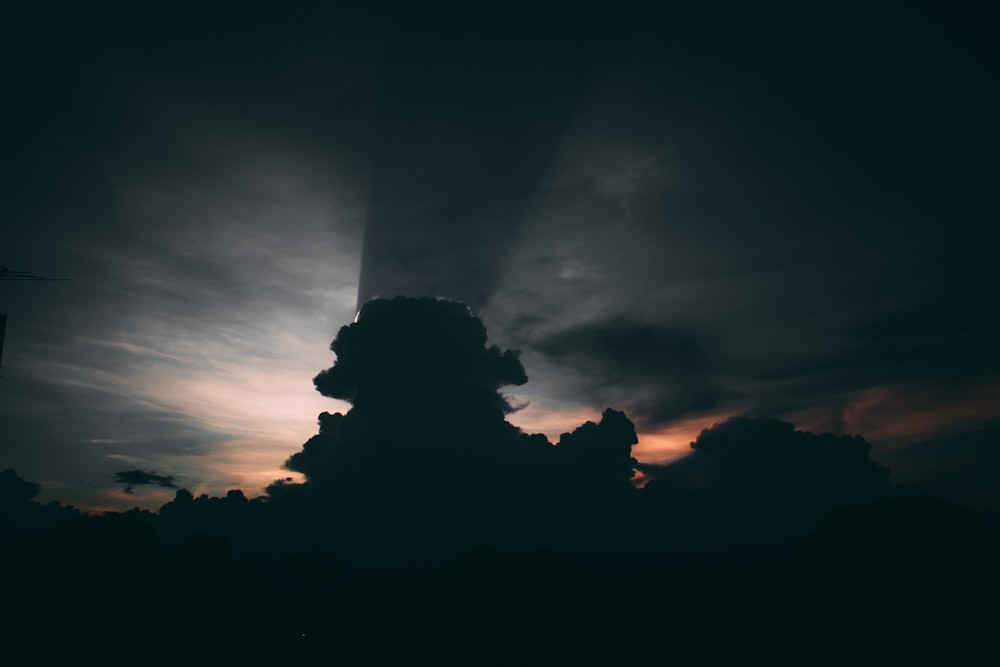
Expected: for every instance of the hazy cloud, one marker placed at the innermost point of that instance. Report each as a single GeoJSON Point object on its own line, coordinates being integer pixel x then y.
{"type": "Point", "coordinates": [658, 372]}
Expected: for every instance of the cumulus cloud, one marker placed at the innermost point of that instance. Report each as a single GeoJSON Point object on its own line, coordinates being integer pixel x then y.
{"type": "Point", "coordinates": [764, 460]}
{"type": "Point", "coordinates": [426, 453]}
{"type": "Point", "coordinates": [416, 349]}
{"type": "Point", "coordinates": [426, 462]}
{"type": "Point", "coordinates": [600, 454]}
{"type": "Point", "coordinates": [760, 481]}
{"type": "Point", "coordinates": [428, 418]}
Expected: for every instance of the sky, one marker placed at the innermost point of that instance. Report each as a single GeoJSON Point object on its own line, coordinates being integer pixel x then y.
{"type": "Point", "coordinates": [682, 213]}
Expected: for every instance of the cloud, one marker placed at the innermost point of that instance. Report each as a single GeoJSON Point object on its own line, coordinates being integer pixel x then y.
{"type": "Point", "coordinates": [599, 454]}
{"type": "Point", "coordinates": [425, 389]}
{"type": "Point", "coordinates": [759, 481]}
{"type": "Point", "coordinates": [417, 350]}
{"type": "Point", "coordinates": [426, 456]}
{"type": "Point", "coordinates": [134, 478]}
{"type": "Point", "coordinates": [14, 490]}
{"type": "Point", "coordinates": [764, 460]}
{"type": "Point", "coordinates": [319, 452]}
{"type": "Point", "coordinates": [659, 372]}
{"type": "Point", "coordinates": [67, 424]}
{"type": "Point", "coordinates": [801, 198]}
{"type": "Point", "coordinates": [206, 279]}
{"type": "Point", "coordinates": [424, 471]}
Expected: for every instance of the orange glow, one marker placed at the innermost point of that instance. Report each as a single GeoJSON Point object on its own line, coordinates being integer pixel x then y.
{"type": "Point", "coordinates": [673, 441]}
{"type": "Point", "coordinates": [898, 415]}
{"type": "Point", "coordinates": [639, 479]}
{"type": "Point", "coordinates": [99, 501]}
{"type": "Point", "coordinates": [666, 444]}
{"type": "Point", "coordinates": [551, 420]}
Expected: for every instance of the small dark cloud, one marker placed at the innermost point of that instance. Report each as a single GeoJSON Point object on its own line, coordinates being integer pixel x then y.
{"type": "Point", "coordinates": [134, 478]}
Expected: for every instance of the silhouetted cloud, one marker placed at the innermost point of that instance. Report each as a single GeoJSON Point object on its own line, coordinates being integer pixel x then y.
{"type": "Point", "coordinates": [414, 350]}
{"type": "Point", "coordinates": [319, 452]}
{"type": "Point", "coordinates": [599, 455]}
{"type": "Point", "coordinates": [134, 478]}
{"type": "Point", "coordinates": [760, 483]}
{"type": "Point", "coordinates": [426, 455]}
{"type": "Point", "coordinates": [760, 460]}
{"type": "Point", "coordinates": [21, 515]}
{"type": "Point", "coordinates": [13, 489]}
{"type": "Point", "coordinates": [423, 489]}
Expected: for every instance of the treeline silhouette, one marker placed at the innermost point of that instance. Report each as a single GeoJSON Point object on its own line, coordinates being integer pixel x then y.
{"type": "Point", "coordinates": [429, 527]}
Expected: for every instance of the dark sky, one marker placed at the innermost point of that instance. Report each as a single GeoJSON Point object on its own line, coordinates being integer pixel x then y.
{"type": "Point", "coordinates": [685, 214]}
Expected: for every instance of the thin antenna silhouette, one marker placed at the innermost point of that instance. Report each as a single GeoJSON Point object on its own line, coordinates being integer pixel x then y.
{"type": "Point", "coordinates": [14, 274]}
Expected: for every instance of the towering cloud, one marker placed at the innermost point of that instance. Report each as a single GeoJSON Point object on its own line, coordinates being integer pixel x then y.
{"type": "Point", "coordinates": [415, 351]}
{"type": "Point", "coordinates": [426, 455]}
{"type": "Point", "coordinates": [426, 460]}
